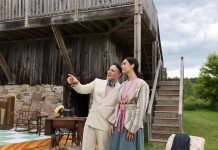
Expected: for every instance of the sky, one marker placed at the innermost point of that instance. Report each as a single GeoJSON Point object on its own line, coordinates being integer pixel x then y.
{"type": "Point", "coordinates": [188, 29]}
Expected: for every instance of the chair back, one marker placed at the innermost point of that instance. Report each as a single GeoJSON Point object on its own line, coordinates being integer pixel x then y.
{"type": "Point", "coordinates": [37, 102]}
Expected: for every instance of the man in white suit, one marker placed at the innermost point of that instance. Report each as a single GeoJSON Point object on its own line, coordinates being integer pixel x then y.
{"type": "Point", "coordinates": [96, 130]}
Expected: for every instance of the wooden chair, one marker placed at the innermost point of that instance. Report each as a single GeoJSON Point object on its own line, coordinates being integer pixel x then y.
{"type": "Point", "coordinates": [22, 120]}
{"type": "Point", "coordinates": [27, 116]}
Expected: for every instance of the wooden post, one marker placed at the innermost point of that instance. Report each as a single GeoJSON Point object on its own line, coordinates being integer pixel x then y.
{"type": "Point", "coordinates": [76, 10]}
{"type": "Point", "coordinates": [137, 31]}
{"type": "Point", "coordinates": [6, 70]}
{"type": "Point", "coordinates": [154, 58]}
{"type": "Point", "coordinates": [63, 49]}
{"type": "Point", "coordinates": [26, 13]}
{"type": "Point", "coordinates": [181, 88]}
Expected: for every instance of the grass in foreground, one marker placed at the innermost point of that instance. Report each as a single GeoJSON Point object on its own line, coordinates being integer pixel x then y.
{"type": "Point", "coordinates": [203, 123]}
{"type": "Point", "coordinates": [154, 147]}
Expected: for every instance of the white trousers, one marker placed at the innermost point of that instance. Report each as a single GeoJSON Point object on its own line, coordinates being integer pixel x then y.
{"type": "Point", "coordinates": [92, 137]}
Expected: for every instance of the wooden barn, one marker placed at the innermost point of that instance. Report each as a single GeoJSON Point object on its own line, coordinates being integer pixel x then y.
{"type": "Point", "coordinates": [41, 41]}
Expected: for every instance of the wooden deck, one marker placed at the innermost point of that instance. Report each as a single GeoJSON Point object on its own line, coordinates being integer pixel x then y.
{"type": "Point", "coordinates": [19, 14]}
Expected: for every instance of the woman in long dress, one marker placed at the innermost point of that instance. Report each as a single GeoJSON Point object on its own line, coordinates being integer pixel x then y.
{"type": "Point", "coordinates": [126, 127]}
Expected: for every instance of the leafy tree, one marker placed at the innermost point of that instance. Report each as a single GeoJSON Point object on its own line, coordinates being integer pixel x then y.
{"type": "Point", "coordinates": [207, 83]}
{"type": "Point", "coordinates": [188, 88]}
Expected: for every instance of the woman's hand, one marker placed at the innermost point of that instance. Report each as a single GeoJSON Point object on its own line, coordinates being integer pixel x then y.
{"type": "Point", "coordinates": [129, 135]}
{"type": "Point", "coordinates": [111, 129]}
{"type": "Point", "coordinates": [72, 79]}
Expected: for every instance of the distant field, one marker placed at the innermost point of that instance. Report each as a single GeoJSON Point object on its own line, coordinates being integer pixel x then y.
{"type": "Point", "coordinates": [201, 123]}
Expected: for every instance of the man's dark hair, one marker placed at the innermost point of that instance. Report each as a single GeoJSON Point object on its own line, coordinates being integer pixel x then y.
{"type": "Point", "coordinates": [118, 66]}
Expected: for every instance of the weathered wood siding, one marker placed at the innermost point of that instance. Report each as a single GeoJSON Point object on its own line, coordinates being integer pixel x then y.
{"type": "Point", "coordinates": [12, 9]}
{"type": "Point", "coordinates": [74, 10]}
{"type": "Point", "coordinates": [39, 61]}
{"type": "Point", "coordinates": [17, 9]}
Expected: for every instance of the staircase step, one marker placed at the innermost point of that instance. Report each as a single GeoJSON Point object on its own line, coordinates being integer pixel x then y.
{"type": "Point", "coordinates": [170, 82]}
{"type": "Point", "coordinates": [161, 135]}
{"type": "Point", "coordinates": [157, 141]}
{"type": "Point", "coordinates": [161, 120]}
{"type": "Point", "coordinates": [166, 114]}
{"type": "Point", "coordinates": [162, 98]}
{"type": "Point", "coordinates": [168, 87]}
{"type": "Point", "coordinates": [166, 108]}
{"type": "Point", "coordinates": [167, 92]}
{"type": "Point", "coordinates": [164, 128]}
{"type": "Point", "coordinates": [167, 102]}
{"type": "Point", "coordinates": [168, 96]}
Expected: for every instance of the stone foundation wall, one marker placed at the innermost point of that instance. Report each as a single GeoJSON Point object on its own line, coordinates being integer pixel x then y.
{"type": "Point", "coordinates": [53, 96]}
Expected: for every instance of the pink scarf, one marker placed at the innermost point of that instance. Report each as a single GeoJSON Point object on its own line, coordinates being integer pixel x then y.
{"type": "Point", "coordinates": [122, 109]}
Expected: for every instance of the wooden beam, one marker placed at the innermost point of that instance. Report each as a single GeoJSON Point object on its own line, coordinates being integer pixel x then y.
{"type": "Point", "coordinates": [8, 35]}
{"type": "Point", "coordinates": [73, 28]}
{"type": "Point", "coordinates": [63, 49]}
{"type": "Point", "coordinates": [24, 33]}
{"type": "Point", "coordinates": [154, 58]}
{"type": "Point", "coordinates": [18, 34]}
{"type": "Point", "coordinates": [120, 25]}
{"type": "Point", "coordinates": [97, 26]}
{"type": "Point", "coordinates": [37, 33]}
{"type": "Point", "coordinates": [85, 27]}
{"type": "Point", "coordinates": [107, 23]}
{"type": "Point", "coordinates": [107, 13]}
{"type": "Point", "coordinates": [44, 31]}
{"type": "Point", "coordinates": [6, 70]}
{"type": "Point", "coordinates": [137, 32]}
{"type": "Point", "coordinates": [4, 37]}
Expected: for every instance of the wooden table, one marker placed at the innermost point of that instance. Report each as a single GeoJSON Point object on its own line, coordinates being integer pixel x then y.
{"type": "Point", "coordinates": [53, 127]}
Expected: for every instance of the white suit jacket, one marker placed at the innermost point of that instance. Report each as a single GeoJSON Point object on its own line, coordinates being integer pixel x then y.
{"type": "Point", "coordinates": [102, 105]}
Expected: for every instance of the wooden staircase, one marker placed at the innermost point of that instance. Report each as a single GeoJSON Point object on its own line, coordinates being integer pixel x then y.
{"type": "Point", "coordinates": [165, 120]}
{"type": "Point", "coordinates": [165, 109]}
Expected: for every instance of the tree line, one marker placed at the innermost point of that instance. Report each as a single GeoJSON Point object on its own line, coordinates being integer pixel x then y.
{"type": "Point", "coordinates": [202, 92]}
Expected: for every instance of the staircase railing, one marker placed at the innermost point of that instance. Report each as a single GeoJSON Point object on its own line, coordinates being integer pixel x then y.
{"type": "Point", "coordinates": [180, 111]}
{"type": "Point", "coordinates": [151, 101]}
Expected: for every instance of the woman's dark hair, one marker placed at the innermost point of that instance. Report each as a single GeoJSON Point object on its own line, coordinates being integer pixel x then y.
{"type": "Point", "coordinates": [118, 66]}
{"type": "Point", "coordinates": [134, 61]}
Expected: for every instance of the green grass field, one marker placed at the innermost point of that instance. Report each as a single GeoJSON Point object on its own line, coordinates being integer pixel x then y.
{"type": "Point", "coordinates": [201, 123]}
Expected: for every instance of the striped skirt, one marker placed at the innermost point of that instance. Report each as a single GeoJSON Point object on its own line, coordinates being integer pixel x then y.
{"type": "Point", "coordinates": [120, 142]}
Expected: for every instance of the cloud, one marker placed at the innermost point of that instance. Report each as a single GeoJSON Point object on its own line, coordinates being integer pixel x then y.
{"type": "Point", "coordinates": [188, 29]}
{"type": "Point", "coordinates": [188, 73]}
